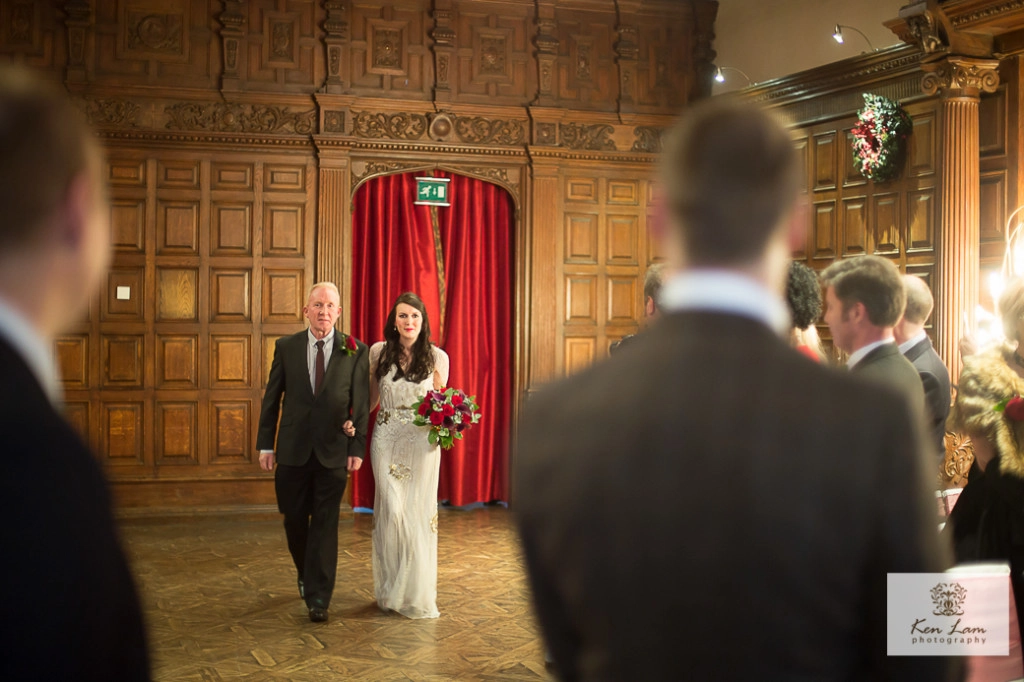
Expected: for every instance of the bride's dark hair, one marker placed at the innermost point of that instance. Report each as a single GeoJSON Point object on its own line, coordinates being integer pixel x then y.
{"type": "Point", "coordinates": [421, 364]}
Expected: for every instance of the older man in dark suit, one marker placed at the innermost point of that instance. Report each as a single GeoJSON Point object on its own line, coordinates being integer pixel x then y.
{"type": "Point", "coordinates": [67, 600]}
{"type": "Point", "coordinates": [864, 300]}
{"type": "Point", "coordinates": [812, 484]}
{"type": "Point", "coordinates": [917, 347]}
{"type": "Point", "coordinates": [324, 379]}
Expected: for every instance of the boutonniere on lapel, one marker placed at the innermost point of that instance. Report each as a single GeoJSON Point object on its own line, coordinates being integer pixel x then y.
{"type": "Point", "coordinates": [1012, 408]}
{"type": "Point", "coordinates": [350, 345]}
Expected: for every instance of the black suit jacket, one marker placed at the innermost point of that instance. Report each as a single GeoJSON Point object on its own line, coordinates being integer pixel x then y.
{"type": "Point", "coordinates": [709, 504]}
{"type": "Point", "coordinates": [937, 397]}
{"type": "Point", "coordinates": [311, 424]}
{"type": "Point", "coordinates": [68, 604]}
{"type": "Point", "coordinates": [886, 365]}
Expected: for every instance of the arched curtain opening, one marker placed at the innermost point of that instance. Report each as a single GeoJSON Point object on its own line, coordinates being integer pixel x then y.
{"type": "Point", "coordinates": [460, 260]}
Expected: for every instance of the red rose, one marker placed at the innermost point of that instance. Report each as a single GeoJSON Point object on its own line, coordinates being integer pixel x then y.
{"type": "Point", "coordinates": [424, 408]}
{"type": "Point", "coordinates": [436, 418]}
{"type": "Point", "coordinates": [350, 343]}
{"type": "Point", "coordinates": [447, 410]}
{"type": "Point", "coordinates": [1015, 409]}
{"type": "Point", "coordinates": [456, 399]}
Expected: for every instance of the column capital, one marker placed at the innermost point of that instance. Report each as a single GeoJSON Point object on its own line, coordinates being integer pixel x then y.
{"type": "Point", "coordinates": [957, 76]}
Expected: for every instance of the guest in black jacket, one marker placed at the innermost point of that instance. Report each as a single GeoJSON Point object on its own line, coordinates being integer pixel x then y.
{"type": "Point", "coordinates": [67, 602]}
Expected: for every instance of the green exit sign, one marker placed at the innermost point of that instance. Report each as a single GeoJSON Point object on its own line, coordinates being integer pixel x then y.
{"type": "Point", "coordinates": [432, 191]}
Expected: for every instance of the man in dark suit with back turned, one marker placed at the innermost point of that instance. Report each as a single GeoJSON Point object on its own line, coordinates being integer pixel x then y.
{"type": "Point", "coordinates": [811, 482]}
{"type": "Point", "coordinates": [68, 606]}
{"type": "Point", "coordinates": [917, 347]}
{"type": "Point", "coordinates": [864, 300]}
{"type": "Point", "coordinates": [323, 377]}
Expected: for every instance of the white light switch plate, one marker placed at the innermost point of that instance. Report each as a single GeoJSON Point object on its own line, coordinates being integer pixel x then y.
{"type": "Point", "coordinates": [124, 293]}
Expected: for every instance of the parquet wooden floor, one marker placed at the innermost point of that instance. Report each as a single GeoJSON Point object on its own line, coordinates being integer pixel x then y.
{"type": "Point", "coordinates": [221, 604]}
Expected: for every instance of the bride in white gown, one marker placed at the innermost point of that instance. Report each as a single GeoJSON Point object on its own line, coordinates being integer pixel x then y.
{"type": "Point", "coordinates": [405, 465]}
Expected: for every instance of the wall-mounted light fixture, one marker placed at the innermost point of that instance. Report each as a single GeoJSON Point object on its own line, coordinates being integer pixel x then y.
{"type": "Point", "coordinates": [720, 75]}
{"type": "Point", "coordinates": [837, 34]}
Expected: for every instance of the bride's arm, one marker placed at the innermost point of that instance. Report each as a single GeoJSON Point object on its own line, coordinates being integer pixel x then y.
{"type": "Point", "coordinates": [441, 366]}
{"type": "Point", "coordinates": [375, 351]}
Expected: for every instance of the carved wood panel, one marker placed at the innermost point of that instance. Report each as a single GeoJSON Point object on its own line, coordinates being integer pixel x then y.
{"type": "Point", "coordinates": [166, 44]}
{"type": "Point", "coordinates": [388, 48]}
{"type": "Point", "coordinates": [493, 60]}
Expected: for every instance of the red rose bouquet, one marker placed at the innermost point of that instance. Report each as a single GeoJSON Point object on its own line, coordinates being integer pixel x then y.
{"type": "Point", "coordinates": [1012, 408]}
{"type": "Point", "coordinates": [448, 413]}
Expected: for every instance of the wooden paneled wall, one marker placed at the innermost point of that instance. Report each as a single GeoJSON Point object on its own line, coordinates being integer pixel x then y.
{"type": "Point", "coordinates": [237, 132]}
{"type": "Point", "coordinates": [898, 219]}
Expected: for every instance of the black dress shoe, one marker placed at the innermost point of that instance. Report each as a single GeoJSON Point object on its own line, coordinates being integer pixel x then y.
{"type": "Point", "coordinates": [302, 589]}
{"type": "Point", "coordinates": [317, 614]}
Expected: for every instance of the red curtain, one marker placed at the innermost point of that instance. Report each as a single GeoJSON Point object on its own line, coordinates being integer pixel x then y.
{"type": "Point", "coordinates": [477, 240]}
{"type": "Point", "coordinates": [394, 251]}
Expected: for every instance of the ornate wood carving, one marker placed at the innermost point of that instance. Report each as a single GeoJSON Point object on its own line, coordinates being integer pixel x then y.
{"type": "Point", "coordinates": [546, 42]}
{"type": "Point", "coordinates": [647, 139]}
{"type": "Point", "coordinates": [334, 121]}
{"type": "Point", "coordinates": [627, 51]}
{"type": "Point", "coordinates": [703, 54]}
{"type": "Point", "coordinates": [387, 49]}
{"type": "Point", "coordinates": [336, 35]}
{"type": "Point", "coordinates": [545, 134]}
{"type": "Point", "coordinates": [392, 126]}
{"type": "Point", "coordinates": [479, 130]}
{"type": "Point", "coordinates": [444, 37]}
{"type": "Point", "coordinates": [154, 32]}
{"type": "Point", "coordinates": [961, 76]}
{"type": "Point", "coordinates": [374, 168]}
{"type": "Point", "coordinates": [78, 20]}
{"type": "Point", "coordinates": [581, 136]}
{"type": "Point", "coordinates": [112, 112]}
{"type": "Point", "coordinates": [492, 55]}
{"type": "Point", "coordinates": [245, 118]}
{"type": "Point", "coordinates": [232, 21]}
{"type": "Point", "coordinates": [959, 457]}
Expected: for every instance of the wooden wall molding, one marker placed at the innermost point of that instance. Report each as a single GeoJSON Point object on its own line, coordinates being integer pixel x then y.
{"type": "Point", "coordinates": [893, 72]}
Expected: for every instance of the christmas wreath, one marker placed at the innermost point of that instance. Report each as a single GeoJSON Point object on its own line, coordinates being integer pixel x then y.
{"type": "Point", "coordinates": [879, 136]}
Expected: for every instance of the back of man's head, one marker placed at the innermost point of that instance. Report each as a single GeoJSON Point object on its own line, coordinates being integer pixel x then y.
{"type": "Point", "coordinates": [919, 300]}
{"type": "Point", "coordinates": [731, 176]}
{"type": "Point", "coordinates": [44, 145]}
{"type": "Point", "coordinates": [872, 281]}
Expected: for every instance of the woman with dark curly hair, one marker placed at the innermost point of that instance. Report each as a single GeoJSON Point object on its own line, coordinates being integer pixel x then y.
{"type": "Point", "coordinates": [406, 466]}
{"type": "Point", "coordinates": [803, 295]}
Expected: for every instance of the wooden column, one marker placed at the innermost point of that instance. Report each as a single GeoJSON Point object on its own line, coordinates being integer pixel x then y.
{"type": "Point", "coordinates": [961, 81]}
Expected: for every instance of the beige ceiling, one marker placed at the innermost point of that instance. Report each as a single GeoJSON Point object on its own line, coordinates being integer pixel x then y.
{"type": "Point", "coordinates": [767, 39]}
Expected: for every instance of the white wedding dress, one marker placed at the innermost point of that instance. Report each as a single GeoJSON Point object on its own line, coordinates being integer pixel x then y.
{"type": "Point", "coordinates": [405, 470]}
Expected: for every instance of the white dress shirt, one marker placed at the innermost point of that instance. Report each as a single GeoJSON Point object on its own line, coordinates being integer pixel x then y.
{"type": "Point", "coordinates": [913, 341]}
{"type": "Point", "coordinates": [862, 352]}
{"type": "Point", "coordinates": [728, 292]}
{"type": "Point", "coordinates": [36, 351]}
